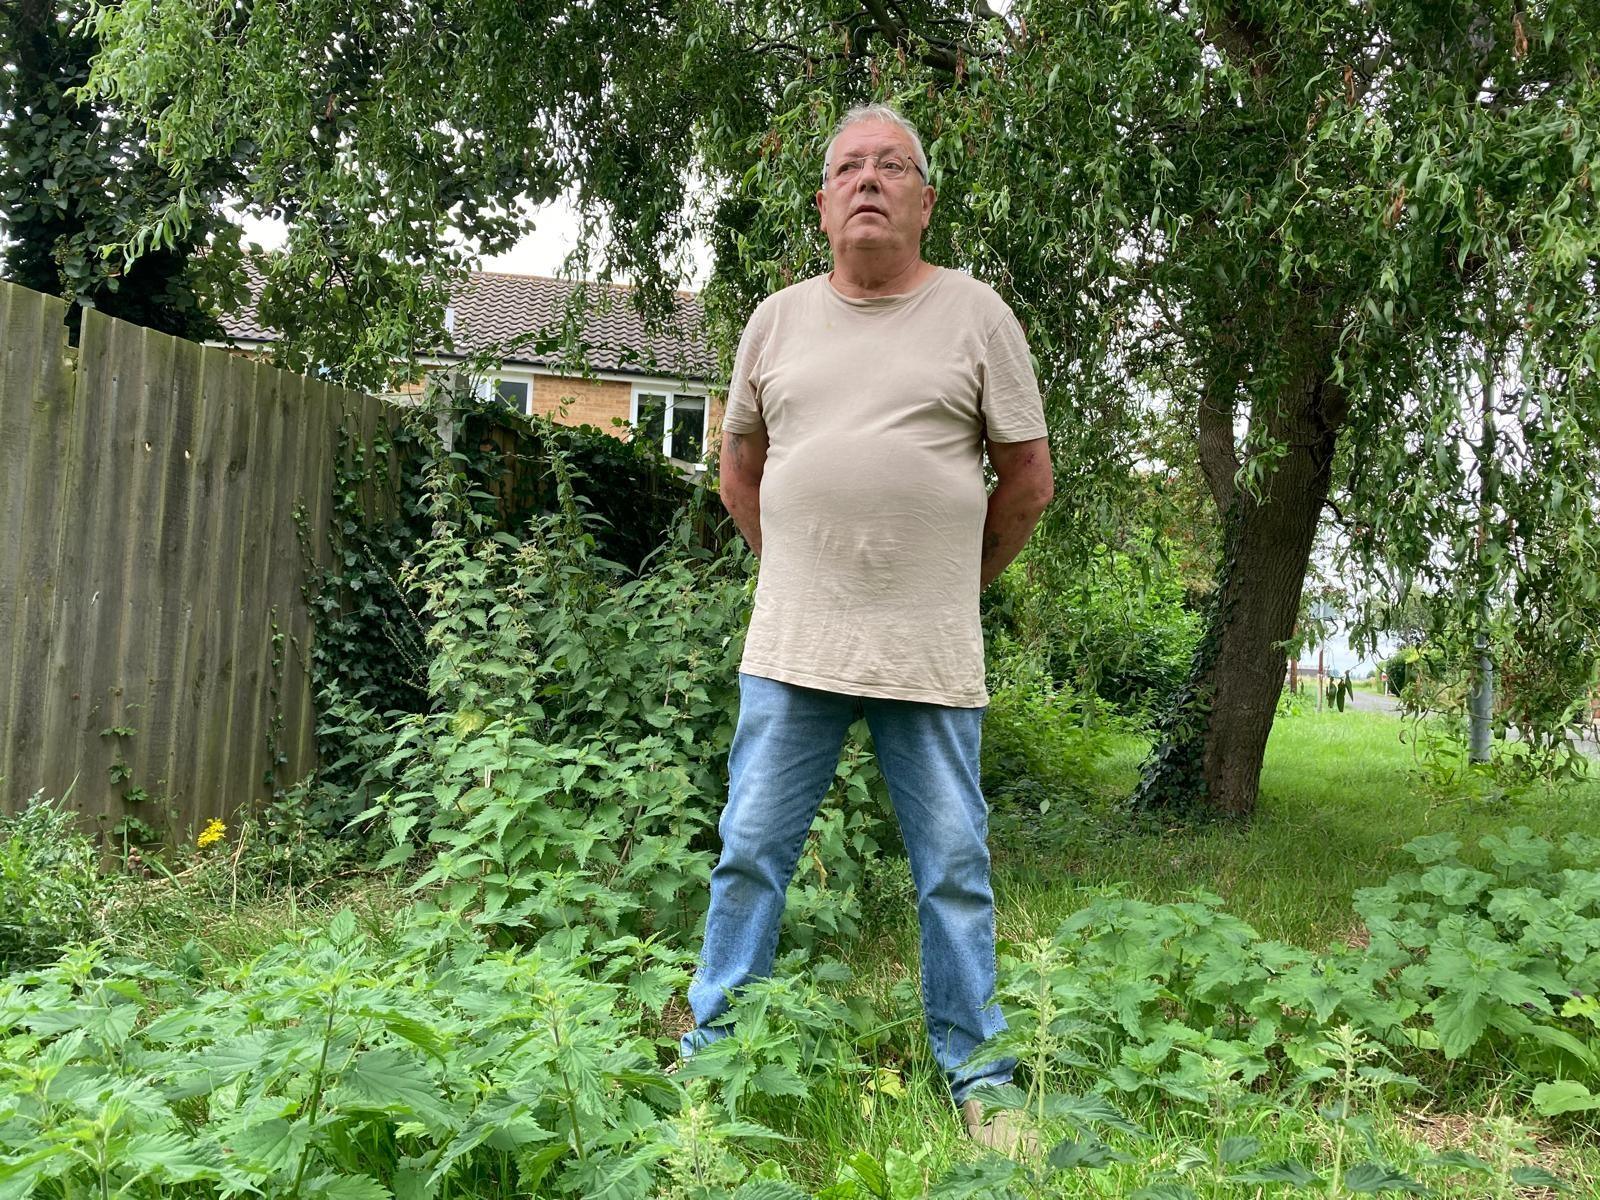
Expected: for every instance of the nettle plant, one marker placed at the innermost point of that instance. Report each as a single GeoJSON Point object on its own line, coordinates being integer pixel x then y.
{"type": "Point", "coordinates": [1502, 959]}
{"type": "Point", "coordinates": [342, 1066]}
{"type": "Point", "coordinates": [1285, 1058]}
{"type": "Point", "coordinates": [568, 773]}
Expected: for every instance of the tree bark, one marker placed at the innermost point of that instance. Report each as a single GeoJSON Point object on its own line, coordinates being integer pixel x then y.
{"type": "Point", "coordinates": [1210, 744]}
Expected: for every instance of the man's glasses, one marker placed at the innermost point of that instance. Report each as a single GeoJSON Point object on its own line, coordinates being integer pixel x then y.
{"type": "Point", "coordinates": [890, 167]}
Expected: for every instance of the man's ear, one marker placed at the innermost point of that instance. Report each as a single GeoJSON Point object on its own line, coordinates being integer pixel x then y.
{"type": "Point", "coordinates": [822, 213]}
{"type": "Point", "coordinates": [928, 197]}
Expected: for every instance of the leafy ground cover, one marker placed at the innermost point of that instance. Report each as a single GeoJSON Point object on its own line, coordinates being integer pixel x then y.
{"type": "Point", "coordinates": [1341, 794]}
{"type": "Point", "coordinates": [349, 1038]}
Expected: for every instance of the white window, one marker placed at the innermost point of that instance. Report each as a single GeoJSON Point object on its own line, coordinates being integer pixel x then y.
{"type": "Point", "coordinates": [673, 420]}
{"type": "Point", "coordinates": [514, 392]}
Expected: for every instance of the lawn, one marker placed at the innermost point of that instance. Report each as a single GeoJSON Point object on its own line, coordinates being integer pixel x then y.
{"type": "Point", "coordinates": [1340, 795]}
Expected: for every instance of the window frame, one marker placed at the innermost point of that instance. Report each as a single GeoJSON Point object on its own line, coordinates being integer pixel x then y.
{"type": "Point", "coordinates": [492, 381]}
{"type": "Point", "coordinates": [672, 391]}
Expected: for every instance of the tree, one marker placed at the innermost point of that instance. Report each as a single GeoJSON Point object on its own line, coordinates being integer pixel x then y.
{"type": "Point", "coordinates": [1280, 225]}
{"type": "Point", "coordinates": [76, 176]}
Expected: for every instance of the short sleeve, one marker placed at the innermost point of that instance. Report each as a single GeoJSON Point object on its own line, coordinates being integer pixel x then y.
{"type": "Point", "coordinates": [1012, 408]}
{"type": "Point", "coordinates": [743, 411]}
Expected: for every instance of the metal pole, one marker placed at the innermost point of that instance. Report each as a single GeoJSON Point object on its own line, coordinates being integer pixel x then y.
{"type": "Point", "coordinates": [1481, 700]}
{"type": "Point", "coordinates": [1482, 705]}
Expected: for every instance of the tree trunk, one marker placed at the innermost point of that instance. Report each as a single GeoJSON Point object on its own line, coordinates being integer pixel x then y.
{"type": "Point", "coordinates": [1210, 745]}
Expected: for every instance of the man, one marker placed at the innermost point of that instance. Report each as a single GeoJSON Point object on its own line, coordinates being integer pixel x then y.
{"type": "Point", "coordinates": [852, 462]}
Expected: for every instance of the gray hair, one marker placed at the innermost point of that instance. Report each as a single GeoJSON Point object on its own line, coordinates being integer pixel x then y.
{"type": "Point", "coordinates": [863, 113]}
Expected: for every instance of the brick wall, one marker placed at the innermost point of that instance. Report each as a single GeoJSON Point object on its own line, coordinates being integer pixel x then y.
{"type": "Point", "coordinates": [594, 402]}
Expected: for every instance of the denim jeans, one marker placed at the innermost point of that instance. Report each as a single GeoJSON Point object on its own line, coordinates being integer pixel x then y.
{"type": "Point", "coordinates": [785, 753]}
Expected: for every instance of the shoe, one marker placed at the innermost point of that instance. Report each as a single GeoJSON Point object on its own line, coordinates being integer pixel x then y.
{"type": "Point", "coordinates": [1004, 1132]}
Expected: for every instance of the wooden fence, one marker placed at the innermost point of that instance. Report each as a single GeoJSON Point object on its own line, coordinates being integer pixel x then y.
{"type": "Point", "coordinates": [154, 639]}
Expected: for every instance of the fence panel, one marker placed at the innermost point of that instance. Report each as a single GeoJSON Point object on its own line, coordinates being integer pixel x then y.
{"type": "Point", "coordinates": [154, 638]}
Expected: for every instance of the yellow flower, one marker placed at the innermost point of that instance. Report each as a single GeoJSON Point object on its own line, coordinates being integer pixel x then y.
{"type": "Point", "coordinates": [212, 833]}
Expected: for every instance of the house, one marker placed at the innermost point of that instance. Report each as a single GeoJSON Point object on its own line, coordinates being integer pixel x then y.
{"type": "Point", "coordinates": [663, 386]}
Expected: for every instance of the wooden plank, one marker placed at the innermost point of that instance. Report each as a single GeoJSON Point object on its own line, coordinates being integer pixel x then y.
{"type": "Point", "coordinates": [197, 698]}
{"type": "Point", "coordinates": [222, 763]}
{"type": "Point", "coordinates": [161, 588]}
{"type": "Point", "coordinates": [23, 348]}
{"type": "Point", "coordinates": [35, 399]}
{"type": "Point", "coordinates": [313, 553]}
{"type": "Point", "coordinates": [19, 380]}
{"type": "Point", "coordinates": [138, 527]}
{"type": "Point", "coordinates": [288, 684]}
{"type": "Point", "coordinates": [248, 738]}
{"type": "Point", "coordinates": [97, 555]}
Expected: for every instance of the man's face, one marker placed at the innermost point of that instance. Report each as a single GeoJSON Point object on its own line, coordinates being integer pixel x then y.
{"type": "Point", "coordinates": [869, 211]}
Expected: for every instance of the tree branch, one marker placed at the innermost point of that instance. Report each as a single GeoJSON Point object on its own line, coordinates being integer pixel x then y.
{"type": "Point", "coordinates": [940, 56]}
{"type": "Point", "coordinates": [1214, 435]}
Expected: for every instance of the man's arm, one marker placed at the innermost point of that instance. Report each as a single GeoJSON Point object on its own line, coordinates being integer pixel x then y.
{"type": "Point", "coordinates": [1026, 483]}
{"type": "Point", "coordinates": [744, 459]}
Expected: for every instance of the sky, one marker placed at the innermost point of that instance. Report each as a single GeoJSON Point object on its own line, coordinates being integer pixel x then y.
{"type": "Point", "coordinates": [541, 252]}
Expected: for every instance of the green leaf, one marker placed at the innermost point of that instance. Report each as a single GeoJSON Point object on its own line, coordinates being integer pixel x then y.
{"type": "Point", "coordinates": [273, 1145]}
{"type": "Point", "coordinates": [769, 1189]}
{"type": "Point", "coordinates": [1462, 1161]}
{"type": "Point", "coordinates": [169, 1156]}
{"type": "Point", "coordinates": [1089, 1109]}
{"type": "Point", "coordinates": [1237, 1149]}
{"type": "Point", "coordinates": [1530, 1176]}
{"type": "Point", "coordinates": [1456, 886]}
{"type": "Point", "coordinates": [1560, 1039]}
{"type": "Point", "coordinates": [1285, 1171]}
{"type": "Point", "coordinates": [1087, 1152]}
{"type": "Point", "coordinates": [868, 1171]}
{"type": "Point", "coordinates": [532, 1168]}
{"type": "Point", "coordinates": [346, 1187]}
{"type": "Point", "coordinates": [990, 1178]}
{"type": "Point", "coordinates": [1460, 1017]}
{"type": "Point", "coordinates": [1165, 1190]}
{"type": "Point", "coordinates": [1433, 847]}
{"type": "Point", "coordinates": [1368, 1178]}
{"type": "Point", "coordinates": [342, 929]}
{"type": "Point", "coordinates": [1563, 1096]}
{"type": "Point", "coordinates": [1521, 851]}
{"type": "Point", "coordinates": [386, 1079]}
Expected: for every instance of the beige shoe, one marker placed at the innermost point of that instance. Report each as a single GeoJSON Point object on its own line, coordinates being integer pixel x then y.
{"type": "Point", "coordinates": [1004, 1132]}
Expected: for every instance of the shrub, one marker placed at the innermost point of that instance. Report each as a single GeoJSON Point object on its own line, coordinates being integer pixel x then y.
{"type": "Point", "coordinates": [1041, 738]}
{"type": "Point", "coordinates": [1117, 627]}
{"type": "Point", "coordinates": [50, 885]}
{"type": "Point", "coordinates": [333, 1066]}
{"type": "Point", "coordinates": [571, 766]}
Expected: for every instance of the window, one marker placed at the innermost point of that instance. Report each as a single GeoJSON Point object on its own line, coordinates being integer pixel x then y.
{"type": "Point", "coordinates": [514, 392]}
{"type": "Point", "coordinates": [675, 421]}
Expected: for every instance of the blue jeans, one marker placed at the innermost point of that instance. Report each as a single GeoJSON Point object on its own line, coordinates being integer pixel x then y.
{"type": "Point", "coordinates": [785, 753]}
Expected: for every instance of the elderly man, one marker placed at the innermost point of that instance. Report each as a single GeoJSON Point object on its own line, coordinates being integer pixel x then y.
{"type": "Point", "coordinates": [852, 462]}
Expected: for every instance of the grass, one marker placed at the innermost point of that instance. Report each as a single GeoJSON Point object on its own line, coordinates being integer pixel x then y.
{"type": "Point", "coordinates": [1341, 793]}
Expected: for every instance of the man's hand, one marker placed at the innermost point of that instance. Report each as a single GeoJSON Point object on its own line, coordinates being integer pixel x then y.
{"type": "Point", "coordinates": [744, 459]}
{"type": "Point", "coordinates": [1026, 483]}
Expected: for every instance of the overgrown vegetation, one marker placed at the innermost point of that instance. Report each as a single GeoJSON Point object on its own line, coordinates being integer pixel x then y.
{"type": "Point", "coordinates": [489, 1005]}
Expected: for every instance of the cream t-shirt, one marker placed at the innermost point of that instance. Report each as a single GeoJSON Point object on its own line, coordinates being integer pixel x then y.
{"type": "Point", "coordinates": [873, 498]}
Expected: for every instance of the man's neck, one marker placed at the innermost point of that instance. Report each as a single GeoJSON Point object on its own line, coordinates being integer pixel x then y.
{"type": "Point", "coordinates": [865, 277]}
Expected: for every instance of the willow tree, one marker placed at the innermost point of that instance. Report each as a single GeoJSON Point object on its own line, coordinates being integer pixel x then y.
{"type": "Point", "coordinates": [1288, 226]}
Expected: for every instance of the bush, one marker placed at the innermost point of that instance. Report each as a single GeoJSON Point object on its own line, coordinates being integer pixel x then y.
{"type": "Point", "coordinates": [50, 885]}
{"type": "Point", "coordinates": [569, 771]}
{"type": "Point", "coordinates": [1117, 627]}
